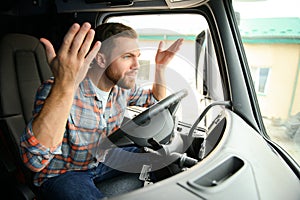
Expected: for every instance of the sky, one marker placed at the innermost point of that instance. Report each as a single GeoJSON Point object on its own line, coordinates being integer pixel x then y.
{"type": "Point", "coordinates": [267, 8]}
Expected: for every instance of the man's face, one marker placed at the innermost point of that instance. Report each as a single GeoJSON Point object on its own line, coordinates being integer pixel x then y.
{"type": "Point", "coordinates": [124, 65]}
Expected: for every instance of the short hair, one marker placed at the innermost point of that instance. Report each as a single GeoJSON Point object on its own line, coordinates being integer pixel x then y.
{"type": "Point", "coordinates": [107, 32]}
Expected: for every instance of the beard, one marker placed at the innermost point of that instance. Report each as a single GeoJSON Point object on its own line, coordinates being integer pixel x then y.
{"type": "Point", "coordinates": [126, 81]}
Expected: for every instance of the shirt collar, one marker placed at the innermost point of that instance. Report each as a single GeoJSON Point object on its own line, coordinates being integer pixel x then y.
{"type": "Point", "coordinates": [87, 88]}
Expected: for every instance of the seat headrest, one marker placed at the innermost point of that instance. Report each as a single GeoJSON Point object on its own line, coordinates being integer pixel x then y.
{"type": "Point", "coordinates": [23, 67]}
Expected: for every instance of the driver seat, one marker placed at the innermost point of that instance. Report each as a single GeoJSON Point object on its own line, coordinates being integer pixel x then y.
{"type": "Point", "coordinates": [23, 67]}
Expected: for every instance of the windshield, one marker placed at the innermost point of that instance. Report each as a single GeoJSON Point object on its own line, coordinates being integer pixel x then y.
{"type": "Point", "coordinates": [194, 67]}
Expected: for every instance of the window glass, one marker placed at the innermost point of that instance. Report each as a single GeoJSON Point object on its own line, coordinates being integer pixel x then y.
{"type": "Point", "coordinates": [270, 31]}
{"type": "Point", "coordinates": [187, 69]}
{"type": "Point", "coordinates": [260, 77]}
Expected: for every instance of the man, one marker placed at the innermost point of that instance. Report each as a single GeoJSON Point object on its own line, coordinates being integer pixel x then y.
{"type": "Point", "coordinates": [84, 103]}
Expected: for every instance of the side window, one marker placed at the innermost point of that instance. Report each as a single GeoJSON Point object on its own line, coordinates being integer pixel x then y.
{"type": "Point", "coordinates": [272, 45]}
{"type": "Point", "coordinates": [260, 77]}
{"type": "Point", "coordinates": [194, 67]}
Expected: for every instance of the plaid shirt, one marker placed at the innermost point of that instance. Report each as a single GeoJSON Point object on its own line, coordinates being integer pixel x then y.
{"type": "Point", "coordinates": [87, 124]}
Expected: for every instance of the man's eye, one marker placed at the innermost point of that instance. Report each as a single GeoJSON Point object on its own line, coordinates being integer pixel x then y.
{"type": "Point", "coordinates": [126, 56]}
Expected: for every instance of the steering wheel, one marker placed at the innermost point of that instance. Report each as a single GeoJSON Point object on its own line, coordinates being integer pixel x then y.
{"type": "Point", "coordinates": [155, 123]}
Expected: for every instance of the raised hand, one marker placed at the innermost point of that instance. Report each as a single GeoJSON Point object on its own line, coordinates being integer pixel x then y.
{"type": "Point", "coordinates": [71, 63]}
{"type": "Point", "coordinates": [163, 57]}
{"type": "Point", "coordinates": [69, 67]}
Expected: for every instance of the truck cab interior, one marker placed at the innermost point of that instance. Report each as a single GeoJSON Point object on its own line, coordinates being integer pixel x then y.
{"type": "Point", "coordinates": [208, 133]}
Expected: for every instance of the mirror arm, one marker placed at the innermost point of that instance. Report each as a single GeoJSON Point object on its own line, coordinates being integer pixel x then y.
{"type": "Point", "coordinates": [220, 103]}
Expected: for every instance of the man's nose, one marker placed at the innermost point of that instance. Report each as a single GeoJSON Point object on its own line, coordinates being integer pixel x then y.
{"type": "Point", "coordinates": [136, 64]}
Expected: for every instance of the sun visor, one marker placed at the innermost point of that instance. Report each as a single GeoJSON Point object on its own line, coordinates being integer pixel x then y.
{"type": "Point", "coordinates": [184, 3]}
{"type": "Point", "coordinates": [123, 5]}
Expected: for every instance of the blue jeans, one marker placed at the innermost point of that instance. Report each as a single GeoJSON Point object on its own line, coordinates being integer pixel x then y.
{"type": "Point", "coordinates": [81, 184]}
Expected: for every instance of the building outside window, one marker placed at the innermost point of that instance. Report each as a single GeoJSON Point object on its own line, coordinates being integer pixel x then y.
{"type": "Point", "coordinates": [271, 39]}
{"type": "Point", "coordinates": [260, 76]}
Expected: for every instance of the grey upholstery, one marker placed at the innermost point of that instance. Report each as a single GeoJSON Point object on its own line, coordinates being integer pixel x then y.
{"type": "Point", "coordinates": [23, 66]}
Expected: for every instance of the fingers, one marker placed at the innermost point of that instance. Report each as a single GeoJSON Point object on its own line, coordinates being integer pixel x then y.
{"type": "Point", "coordinates": [50, 52]}
{"type": "Point", "coordinates": [93, 52]}
{"type": "Point", "coordinates": [77, 40]}
{"type": "Point", "coordinates": [68, 39]}
{"type": "Point", "coordinates": [163, 57]}
{"type": "Point", "coordinates": [85, 47]}
{"type": "Point", "coordinates": [160, 46]}
{"type": "Point", "coordinates": [83, 40]}
{"type": "Point", "coordinates": [176, 45]}
{"type": "Point", "coordinates": [173, 48]}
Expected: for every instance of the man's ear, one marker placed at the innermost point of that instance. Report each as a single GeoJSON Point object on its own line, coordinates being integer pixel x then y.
{"type": "Point", "coordinates": [101, 61]}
